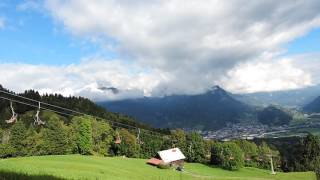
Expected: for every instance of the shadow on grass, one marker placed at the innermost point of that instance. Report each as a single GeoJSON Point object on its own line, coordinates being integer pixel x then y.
{"type": "Point", "coordinates": [18, 176]}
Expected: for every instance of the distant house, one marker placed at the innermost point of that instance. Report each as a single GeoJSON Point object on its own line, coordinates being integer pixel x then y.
{"type": "Point", "coordinates": [172, 157]}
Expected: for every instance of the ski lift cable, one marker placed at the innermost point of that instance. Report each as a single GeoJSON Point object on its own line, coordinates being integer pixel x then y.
{"type": "Point", "coordinates": [12, 94]}
{"type": "Point", "coordinates": [113, 124]}
{"type": "Point", "coordinates": [77, 112]}
{"type": "Point", "coordinates": [31, 105]}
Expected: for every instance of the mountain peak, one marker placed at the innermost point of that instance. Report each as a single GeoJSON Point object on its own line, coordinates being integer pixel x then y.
{"type": "Point", "coordinates": [217, 90]}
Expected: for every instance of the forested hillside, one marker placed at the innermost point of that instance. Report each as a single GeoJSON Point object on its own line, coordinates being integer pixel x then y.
{"type": "Point", "coordinates": [274, 116]}
{"type": "Point", "coordinates": [79, 104]}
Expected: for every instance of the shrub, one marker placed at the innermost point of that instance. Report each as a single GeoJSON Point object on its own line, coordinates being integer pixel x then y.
{"type": "Point", "coordinates": [6, 150]}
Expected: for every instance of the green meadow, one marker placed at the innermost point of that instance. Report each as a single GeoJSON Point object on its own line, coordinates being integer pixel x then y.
{"type": "Point", "coordinates": [118, 168]}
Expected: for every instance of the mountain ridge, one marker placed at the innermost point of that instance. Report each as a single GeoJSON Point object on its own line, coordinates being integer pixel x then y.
{"type": "Point", "coordinates": [210, 110]}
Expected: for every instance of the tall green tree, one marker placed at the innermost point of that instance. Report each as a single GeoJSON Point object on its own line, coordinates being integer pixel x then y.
{"type": "Point", "coordinates": [179, 139]}
{"type": "Point", "coordinates": [82, 128]}
{"type": "Point", "coordinates": [227, 155]}
{"type": "Point", "coordinates": [55, 136]}
{"type": "Point", "coordinates": [34, 143]}
{"type": "Point", "coordinates": [196, 149]}
{"type": "Point", "coordinates": [150, 145]}
{"type": "Point", "coordinates": [250, 150]}
{"type": "Point", "coordinates": [102, 135]}
{"type": "Point", "coordinates": [18, 133]}
{"type": "Point", "coordinates": [128, 146]}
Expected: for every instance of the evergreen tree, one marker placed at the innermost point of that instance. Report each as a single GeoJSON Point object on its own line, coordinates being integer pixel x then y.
{"type": "Point", "coordinates": [17, 136]}
{"type": "Point", "coordinates": [34, 143]}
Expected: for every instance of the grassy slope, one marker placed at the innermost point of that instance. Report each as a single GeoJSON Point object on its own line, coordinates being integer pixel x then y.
{"type": "Point", "coordinates": [90, 167]}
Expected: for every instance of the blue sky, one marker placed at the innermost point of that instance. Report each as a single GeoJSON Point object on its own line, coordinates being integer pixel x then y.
{"type": "Point", "coordinates": [32, 36]}
{"type": "Point", "coordinates": [157, 43]}
{"type": "Point", "coordinates": [309, 43]}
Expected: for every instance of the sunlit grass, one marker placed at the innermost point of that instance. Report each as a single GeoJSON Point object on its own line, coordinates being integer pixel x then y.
{"type": "Point", "coordinates": [118, 168]}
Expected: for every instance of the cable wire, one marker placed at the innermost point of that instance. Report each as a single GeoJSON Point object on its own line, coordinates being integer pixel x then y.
{"type": "Point", "coordinates": [77, 112]}
{"type": "Point", "coordinates": [113, 123]}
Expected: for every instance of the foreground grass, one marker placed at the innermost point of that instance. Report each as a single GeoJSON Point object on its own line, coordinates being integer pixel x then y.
{"type": "Point", "coordinates": [91, 167]}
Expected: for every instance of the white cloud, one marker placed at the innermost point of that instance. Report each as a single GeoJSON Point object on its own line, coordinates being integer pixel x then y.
{"type": "Point", "coordinates": [84, 79]}
{"type": "Point", "coordinates": [194, 43]}
{"type": "Point", "coordinates": [278, 74]}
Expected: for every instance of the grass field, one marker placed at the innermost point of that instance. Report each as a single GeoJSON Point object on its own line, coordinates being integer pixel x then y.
{"type": "Point", "coordinates": [91, 167]}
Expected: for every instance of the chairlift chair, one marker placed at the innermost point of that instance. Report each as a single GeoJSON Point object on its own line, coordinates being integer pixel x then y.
{"type": "Point", "coordinates": [14, 116]}
{"type": "Point", "coordinates": [231, 157]}
{"type": "Point", "coordinates": [118, 139]}
{"type": "Point", "coordinates": [138, 138]}
{"type": "Point", "coordinates": [37, 120]}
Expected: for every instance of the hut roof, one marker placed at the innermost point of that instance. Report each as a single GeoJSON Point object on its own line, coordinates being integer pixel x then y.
{"type": "Point", "coordinates": [171, 155]}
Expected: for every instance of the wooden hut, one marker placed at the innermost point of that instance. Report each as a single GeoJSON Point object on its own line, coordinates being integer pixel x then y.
{"type": "Point", "coordinates": [172, 157]}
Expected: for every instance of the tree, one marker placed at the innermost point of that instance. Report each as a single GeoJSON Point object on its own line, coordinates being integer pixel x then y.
{"type": "Point", "coordinates": [178, 139]}
{"type": "Point", "coordinates": [34, 143]}
{"type": "Point", "coordinates": [102, 137]}
{"type": "Point", "coordinates": [55, 136]}
{"type": "Point", "coordinates": [196, 151]}
{"type": "Point", "coordinates": [307, 153]}
{"type": "Point", "coordinates": [150, 145]}
{"type": "Point", "coordinates": [250, 151]}
{"type": "Point", "coordinates": [128, 146]}
{"type": "Point", "coordinates": [17, 135]}
{"type": "Point", "coordinates": [264, 153]}
{"type": "Point", "coordinates": [82, 128]}
{"type": "Point", "coordinates": [227, 155]}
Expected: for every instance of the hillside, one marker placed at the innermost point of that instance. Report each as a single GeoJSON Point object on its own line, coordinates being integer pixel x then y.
{"type": "Point", "coordinates": [274, 116]}
{"type": "Point", "coordinates": [211, 110]}
{"type": "Point", "coordinates": [79, 104]}
{"type": "Point", "coordinates": [90, 167]}
{"type": "Point", "coordinates": [313, 107]}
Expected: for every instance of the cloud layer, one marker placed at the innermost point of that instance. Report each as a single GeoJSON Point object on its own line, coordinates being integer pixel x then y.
{"type": "Point", "coordinates": [85, 79]}
{"type": "Point", "coordinates": [182, 46]}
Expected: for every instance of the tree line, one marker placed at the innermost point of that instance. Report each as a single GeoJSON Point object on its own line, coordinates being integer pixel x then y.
{"type": "Point", "coordinates": [88, 136]}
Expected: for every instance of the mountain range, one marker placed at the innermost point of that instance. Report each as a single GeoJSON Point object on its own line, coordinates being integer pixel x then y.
{"type": "Point", "coordinates": [211, 110]}
{"type": "Point", "coordinates": [215, 108]}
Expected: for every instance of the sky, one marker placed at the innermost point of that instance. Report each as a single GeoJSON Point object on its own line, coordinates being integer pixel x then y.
{"type": "Point", "coordinates": [158, 47]}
